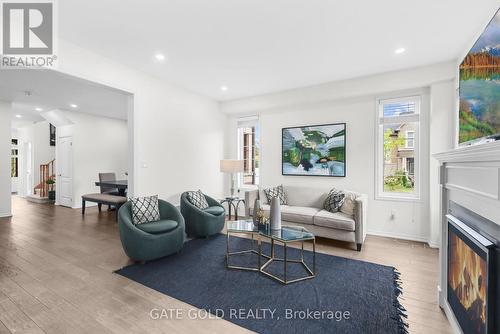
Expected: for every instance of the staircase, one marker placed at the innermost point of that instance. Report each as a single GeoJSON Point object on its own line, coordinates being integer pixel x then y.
{"type": "Point", "coordinates": [41, 190]}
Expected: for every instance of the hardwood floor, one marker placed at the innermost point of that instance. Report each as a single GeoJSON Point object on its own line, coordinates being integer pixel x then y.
{"type": "Point", "coordinates": [56, 277]}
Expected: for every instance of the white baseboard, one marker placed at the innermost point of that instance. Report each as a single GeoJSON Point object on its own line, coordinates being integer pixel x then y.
{"type": "Point", "coordinates": [398, 236]}
{"type": "Point", "coordinates": [5, 214]}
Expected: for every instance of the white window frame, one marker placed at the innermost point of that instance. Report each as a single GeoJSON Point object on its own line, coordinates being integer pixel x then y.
{"type": "Point", "coordinates": [408, 139]}
{"type": "Point", "coordinates": [380, 194]}
{"type": "Point", "coordinates": [243, 122]}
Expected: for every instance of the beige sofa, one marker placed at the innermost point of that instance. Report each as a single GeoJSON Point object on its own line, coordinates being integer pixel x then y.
{"type": "Point", "coordinates": [305, 208]}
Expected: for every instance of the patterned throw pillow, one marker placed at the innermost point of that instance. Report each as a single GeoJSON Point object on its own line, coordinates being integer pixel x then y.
{"type": "Point", "coordinates": [145, 209]}
{"type": "Point", "coordinates": [276, 192]}
{"type": "Point", "coordinates": [197, 199]}
{"type": "Point", "coordinates": [334, 200]}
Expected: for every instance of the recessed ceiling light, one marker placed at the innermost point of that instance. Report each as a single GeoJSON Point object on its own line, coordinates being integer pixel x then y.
{"type": "Point", "coordinates": [19, 116]}
{"type": "Point", "coordinates": [223, 88]}
{"type": "Point", "coordinates": [399, 51]}
{"type": "Point", "coordinates": [160, 56]}
{"type": "Point", "coordinates": [38, 109]}
{"type": "Point", "coordinates": [72, 105]}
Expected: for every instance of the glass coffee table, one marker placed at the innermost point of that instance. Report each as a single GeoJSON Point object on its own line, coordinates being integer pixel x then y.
{"type": "Point", "coordinates": [243, 227]}
{"type": "Point", "coordinates": [286, 235]}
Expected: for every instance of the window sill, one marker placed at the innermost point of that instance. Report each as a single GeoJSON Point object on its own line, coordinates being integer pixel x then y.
{"type": "Point", "coordinates": [398, 198]}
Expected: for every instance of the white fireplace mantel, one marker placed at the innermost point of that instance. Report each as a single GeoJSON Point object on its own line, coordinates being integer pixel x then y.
{"type": "Point", "coordinates": [469, 176]}
{"type": "Point", "coordinates": [485, 152]}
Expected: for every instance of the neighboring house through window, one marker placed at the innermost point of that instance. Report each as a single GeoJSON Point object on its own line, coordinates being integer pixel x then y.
{"type": "Point", "coordinates": [249, 150]}
{"type": "Point", "coordinates": [14, 159]}
{"type": "Point", "coordinates": [398, 148]}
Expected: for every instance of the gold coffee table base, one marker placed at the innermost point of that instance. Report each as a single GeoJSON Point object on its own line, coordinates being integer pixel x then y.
{"type": "Point", "coordinates": [285, 260]}
{"type": "Point", "coordinates": [243, 252]}
{"type": "Point", "coordinates": [285, 235]}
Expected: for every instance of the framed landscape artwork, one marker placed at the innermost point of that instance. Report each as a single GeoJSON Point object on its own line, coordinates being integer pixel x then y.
{"type": "Point", "coordinates": [315, 150]}
{"type": "Point", "coordinates": [479, 108]}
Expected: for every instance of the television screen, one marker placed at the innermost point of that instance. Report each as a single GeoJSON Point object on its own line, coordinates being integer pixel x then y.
{"type": "Point", "coordinates": [480, 86]}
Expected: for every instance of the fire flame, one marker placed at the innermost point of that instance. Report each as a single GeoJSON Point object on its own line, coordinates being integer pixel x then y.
{"type": "Point", "coordinates": [467, 275]}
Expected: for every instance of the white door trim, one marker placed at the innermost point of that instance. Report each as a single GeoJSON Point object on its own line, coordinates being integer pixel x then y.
{"type": "Point", "coordinates": [68, 201]}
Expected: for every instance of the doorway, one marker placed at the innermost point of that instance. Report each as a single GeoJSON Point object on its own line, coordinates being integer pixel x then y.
{"type": "Point", "coordinates": [94, 135]}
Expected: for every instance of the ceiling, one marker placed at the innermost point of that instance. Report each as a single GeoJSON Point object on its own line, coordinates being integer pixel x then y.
{"type": "Point", "coordinates": [262, 46]}
{"type": "Point", "coordinates": [50, 90]}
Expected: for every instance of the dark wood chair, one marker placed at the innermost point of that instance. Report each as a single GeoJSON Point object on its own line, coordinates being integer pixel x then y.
{"type": "Point", "coordinates": [103, 177]}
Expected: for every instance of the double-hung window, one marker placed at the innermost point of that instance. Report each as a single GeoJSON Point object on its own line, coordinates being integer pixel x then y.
{"type": "Point", "coordinates": [398, 149]}
{"type": "Point", "coordinates": [249, 150]}
{"type": "Point", "coordinates": [410, 139]}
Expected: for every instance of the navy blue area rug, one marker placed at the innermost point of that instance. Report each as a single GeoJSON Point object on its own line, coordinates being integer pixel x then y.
{"type": "Point", "coordinates": [347, 296]}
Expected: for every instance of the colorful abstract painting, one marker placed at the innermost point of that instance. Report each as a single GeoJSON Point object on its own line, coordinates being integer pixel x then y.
{"type": "Point", "coordinates": [317, 150]}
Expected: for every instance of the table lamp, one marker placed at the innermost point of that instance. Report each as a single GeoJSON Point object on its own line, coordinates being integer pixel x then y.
{"type": "Point", "coordinates": [231, 166]}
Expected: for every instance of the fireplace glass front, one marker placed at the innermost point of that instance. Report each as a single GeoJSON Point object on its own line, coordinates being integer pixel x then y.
{"type": "Point", "coordinates": [468, 279]}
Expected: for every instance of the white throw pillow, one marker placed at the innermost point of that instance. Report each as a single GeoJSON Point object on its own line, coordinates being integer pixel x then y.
{"type": "Point", "coordinates": [349, 204]}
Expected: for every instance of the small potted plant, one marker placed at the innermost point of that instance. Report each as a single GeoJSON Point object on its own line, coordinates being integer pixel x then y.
{"type": "Point", "coordinates": [52, 192]}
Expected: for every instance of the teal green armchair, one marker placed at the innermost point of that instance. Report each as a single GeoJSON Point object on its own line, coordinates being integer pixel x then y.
{"type": "Point", "coordinates": [203, 223]}
{"type": "Point", "coordinates": [150, 241]}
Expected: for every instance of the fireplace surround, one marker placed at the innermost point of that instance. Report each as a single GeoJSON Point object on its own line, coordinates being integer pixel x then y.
{"type": "Point", "coordinates": [469, 192]}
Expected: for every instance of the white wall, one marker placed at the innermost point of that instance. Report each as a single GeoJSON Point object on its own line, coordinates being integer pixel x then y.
{"type": "Point", "coordinates": [354, 102]}
{"type": "Point", "coordinates": [178, 136]}
{"type": "Point", "coordinates": [39, 136]}
{"type": "Point", "coordinates": [5, 154]}
{"type": "Point", "coordinates": [100, 145]}
{"type": "Point", "coordinates": [42, 151]}
{"type": "Point", "coordinates": [442, 138]}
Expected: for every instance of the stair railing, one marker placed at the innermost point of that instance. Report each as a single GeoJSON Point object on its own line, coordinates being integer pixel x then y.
{"type": "Point", "coordinates": [46, 173]}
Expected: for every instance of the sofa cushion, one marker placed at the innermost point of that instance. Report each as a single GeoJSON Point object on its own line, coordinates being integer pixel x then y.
{"type": "Point", "coordinates": [215, 210]}
{"type": "Point", "coordinates": [298, 214]}
{"type": "Point", "coordinates": [158, 227]}
{"type": "Point", "coordinates": [349, 204]}
{"type": "Point", "coordinates": [337, 220]}
{"type": "Point", "coordinates": [145, 209]}
{"type": "Point", "coordinates": [265, 207]}
{"type": "Point", "coordinates": [305, 196]}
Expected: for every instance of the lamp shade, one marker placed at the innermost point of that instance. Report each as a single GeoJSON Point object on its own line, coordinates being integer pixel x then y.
{"type": "Point", "coordinates": [231, 166]}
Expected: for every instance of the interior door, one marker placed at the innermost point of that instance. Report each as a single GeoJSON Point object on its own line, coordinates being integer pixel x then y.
{"type": "Point", "coordinates": [65, 176]}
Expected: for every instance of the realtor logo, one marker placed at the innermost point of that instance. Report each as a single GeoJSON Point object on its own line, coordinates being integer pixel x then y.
{"type": "Point", "coordinates": [27, 34]}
